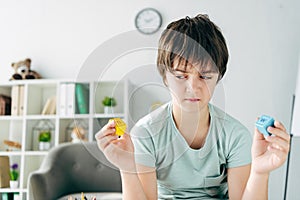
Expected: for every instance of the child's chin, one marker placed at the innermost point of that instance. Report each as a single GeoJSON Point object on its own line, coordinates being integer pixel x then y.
{"type": "Point", "coordinates": [195, 107]}
{"type": "Point", "coordinates": [191, 107]}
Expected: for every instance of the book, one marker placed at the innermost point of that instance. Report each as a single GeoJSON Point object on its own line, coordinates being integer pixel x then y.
{"type": "Point", "coordinates": [50, 106]}
{"type": "Point", "coordinates": [15, 100]}
{"type": "Point", "coordinates": [8, 196]}
{"type": "Point", "coordinates": [21, 100]}
{"type": "Point", "coordinates": [4, 172]}
{"type": "Point", "coordinates": [70, 95]}
{"type": "Point", "coordinates": [2, 106]}
{"type": "Point", "coordinates": [8, 106]}
{"type": "Point", "coordinates": [82, 98]}
{"type": "Point", "coordinates": [5, 105]}
{"type": "Point", "coordinates": [63, 99]}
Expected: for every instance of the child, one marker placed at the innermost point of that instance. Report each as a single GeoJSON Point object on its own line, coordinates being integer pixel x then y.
{"type": "Point", "coordinates": [188, 148]}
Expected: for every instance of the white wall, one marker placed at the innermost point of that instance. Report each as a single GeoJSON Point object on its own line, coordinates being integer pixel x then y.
{"type": "Point", "coordinates": [296, 114]}
{"type": "Point", "coordinates": [262, 36]}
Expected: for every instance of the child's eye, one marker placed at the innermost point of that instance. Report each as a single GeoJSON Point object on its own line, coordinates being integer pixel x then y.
{"type": "Point", "coordinates": [205, 77]}
{"type": "Point", "coordinates": [180, 76]}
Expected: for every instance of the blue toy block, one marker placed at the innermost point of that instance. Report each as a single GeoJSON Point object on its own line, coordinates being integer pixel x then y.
{"type": "Point", "coordinates": [263, 123]}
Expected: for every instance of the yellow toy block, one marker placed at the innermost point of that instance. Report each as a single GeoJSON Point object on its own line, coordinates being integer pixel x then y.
{"type": "Point", "coordinates": [120, 126]}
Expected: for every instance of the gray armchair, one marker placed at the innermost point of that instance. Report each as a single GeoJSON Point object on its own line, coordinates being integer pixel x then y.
{"type": "Point", "coordinates": [74, 168]}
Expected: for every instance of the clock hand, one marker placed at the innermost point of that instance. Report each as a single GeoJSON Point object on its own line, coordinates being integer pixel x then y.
{"type": "Point", "coordinates": [148, 20]}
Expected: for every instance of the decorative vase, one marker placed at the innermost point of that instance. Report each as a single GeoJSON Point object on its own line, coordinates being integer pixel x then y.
{"type": "Point", "coordinates": [13, 184]}
{"type": "Point", "coordinates": [44, 146]}
{"type": "Point", "coordinates": [108, 109]}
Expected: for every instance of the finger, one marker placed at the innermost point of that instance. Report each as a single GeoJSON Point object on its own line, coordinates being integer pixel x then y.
{"type": "Point", "coordinates": [122, 145]}
{"type": "Point", "coordinates": [278, 143]}
{"type": "Point", "coordinates": [122, 139]}
{"type": "Point", "coordinates": [110, 124]}
{"type": "Point", "coordinates": [104, 142]}
{"type": "Point", "coordinates": [279, 125]}
{"type": "Point", "coordinates": [258, 135]}
{"type": "Point", "coordinates": [105, 132]}
{"type": "Point", "coordinates": [108, 129]}
{"type": "Point", "coordinates": [126, 135]}
{"type": "Point", "coordinates": [279, 133]}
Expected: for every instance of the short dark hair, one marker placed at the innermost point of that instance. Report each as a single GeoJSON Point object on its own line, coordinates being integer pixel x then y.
{"type": "Point", "coordinates": [193, 40]}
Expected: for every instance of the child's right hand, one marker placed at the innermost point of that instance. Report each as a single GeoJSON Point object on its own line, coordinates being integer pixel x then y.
{"type": "Point", "coordinates": [271, 152]}
{"type": "Point", "coordinates": [119, 151]}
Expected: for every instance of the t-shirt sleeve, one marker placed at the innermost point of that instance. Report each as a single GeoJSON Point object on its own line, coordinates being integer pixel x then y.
{"type": "Point", "coordinates": [144, 150]}
{"type": "Point", "coordinates": [239, 147]}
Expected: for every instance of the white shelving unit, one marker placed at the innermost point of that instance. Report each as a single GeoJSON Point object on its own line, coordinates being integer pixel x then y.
{"type": "Point", "coordinates": [36, 93]}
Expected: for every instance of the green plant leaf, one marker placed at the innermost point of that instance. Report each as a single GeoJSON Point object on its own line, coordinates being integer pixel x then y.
{"type": "Point", "coordinates": [45, 136]}
{"type": "Point", "coordinates": [14, 175]}
{"type": "Point", "coordinates": [109, 101]}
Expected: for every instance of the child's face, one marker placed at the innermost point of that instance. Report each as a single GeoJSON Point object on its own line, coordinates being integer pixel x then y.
{"type": "Point", "coordinates": [191, 86]}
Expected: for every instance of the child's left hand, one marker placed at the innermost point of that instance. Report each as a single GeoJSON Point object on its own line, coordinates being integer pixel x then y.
{"type": "Point", "coordinates": [271, 152]}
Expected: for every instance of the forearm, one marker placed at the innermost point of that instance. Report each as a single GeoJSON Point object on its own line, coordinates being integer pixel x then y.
{"type": "Point", "coordinates": [257, 187]}
{"type": "Point", "coordinates": [132, 187]}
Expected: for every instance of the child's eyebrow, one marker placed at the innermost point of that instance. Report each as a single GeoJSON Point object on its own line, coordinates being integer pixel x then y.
{"type": "Point", "coordinates": [179, 70]}
{"type": "Point", "coordinates": [208, 72]}
{"type": "Point", "coordinates": [201, 72]}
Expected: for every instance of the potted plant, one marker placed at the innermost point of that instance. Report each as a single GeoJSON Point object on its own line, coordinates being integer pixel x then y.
{"type": "Point", "coordinates": [44, 140]}
{"type": "Point", "coordinates": [109, 103]}
{"type": "Point", "coordinates": [14, 175]}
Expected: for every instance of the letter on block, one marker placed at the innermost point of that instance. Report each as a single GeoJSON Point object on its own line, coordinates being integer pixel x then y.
{"type": "Point", "coordinates": [263, 123]}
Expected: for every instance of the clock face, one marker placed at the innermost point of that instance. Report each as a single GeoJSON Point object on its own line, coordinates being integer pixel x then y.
{"type": "Point", "coordinates": [148, 21]}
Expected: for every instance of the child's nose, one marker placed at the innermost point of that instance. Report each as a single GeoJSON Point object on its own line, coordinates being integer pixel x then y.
{"type": "Point", "coordinates": [194, 83]}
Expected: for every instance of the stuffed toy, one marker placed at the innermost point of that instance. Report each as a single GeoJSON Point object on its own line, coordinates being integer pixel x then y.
{"type": "Point", "coordinates": [23, 71]}
{"type": "Point", "coordinates": [78, 134]}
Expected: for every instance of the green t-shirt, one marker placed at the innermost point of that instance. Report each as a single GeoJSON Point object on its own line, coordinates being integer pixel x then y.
{"type": "Point", "coordinates": [186, 173]}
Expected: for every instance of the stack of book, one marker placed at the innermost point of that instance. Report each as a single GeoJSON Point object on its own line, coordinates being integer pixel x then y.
{"type": "Point", "coordinates": [74, 98]}
{"type": "Point", "coordinates": [17, 100]}
{"type": "Point", "coordinates": [50, 106]}
{"type": "Point", "coordinates": [5, 105]}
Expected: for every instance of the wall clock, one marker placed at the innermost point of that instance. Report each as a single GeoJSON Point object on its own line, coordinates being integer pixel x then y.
{"type": "Point", "coordinates": [148, 21]}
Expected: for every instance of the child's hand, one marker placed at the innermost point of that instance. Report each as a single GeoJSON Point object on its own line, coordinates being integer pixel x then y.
{"type": "Point", "coordinates": [271, 152]}
{"type": "Point", "coordinates": [119, 151]}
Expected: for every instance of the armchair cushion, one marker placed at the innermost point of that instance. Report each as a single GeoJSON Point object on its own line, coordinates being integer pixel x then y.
{"type": "Point", "coordinates": [73, 168]}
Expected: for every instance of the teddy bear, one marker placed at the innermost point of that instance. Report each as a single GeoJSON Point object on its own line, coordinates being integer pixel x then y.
{"type": "Point", "coordinates": [23, 71]}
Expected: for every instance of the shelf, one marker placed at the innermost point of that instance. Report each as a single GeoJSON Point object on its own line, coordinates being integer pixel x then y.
{"type": "Point", "coordinates": [11, 153]}
{"type": "Point", "coordinates": [9, 117]}
{"type": "Point", "coordinates": [25, 128]}
{"type": "Point", "coordinates": [43, 81]}
{"type": "Point", "coordinates": [120, 115]}
{"type": "Point", "coordinates": [76, 116]}
{"type": "Point", "coordinates": [35, 153]}
{"type": "Point", "coordinates": [41, 117]}
{"type": "Point", "coordinates": [8, 190]}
